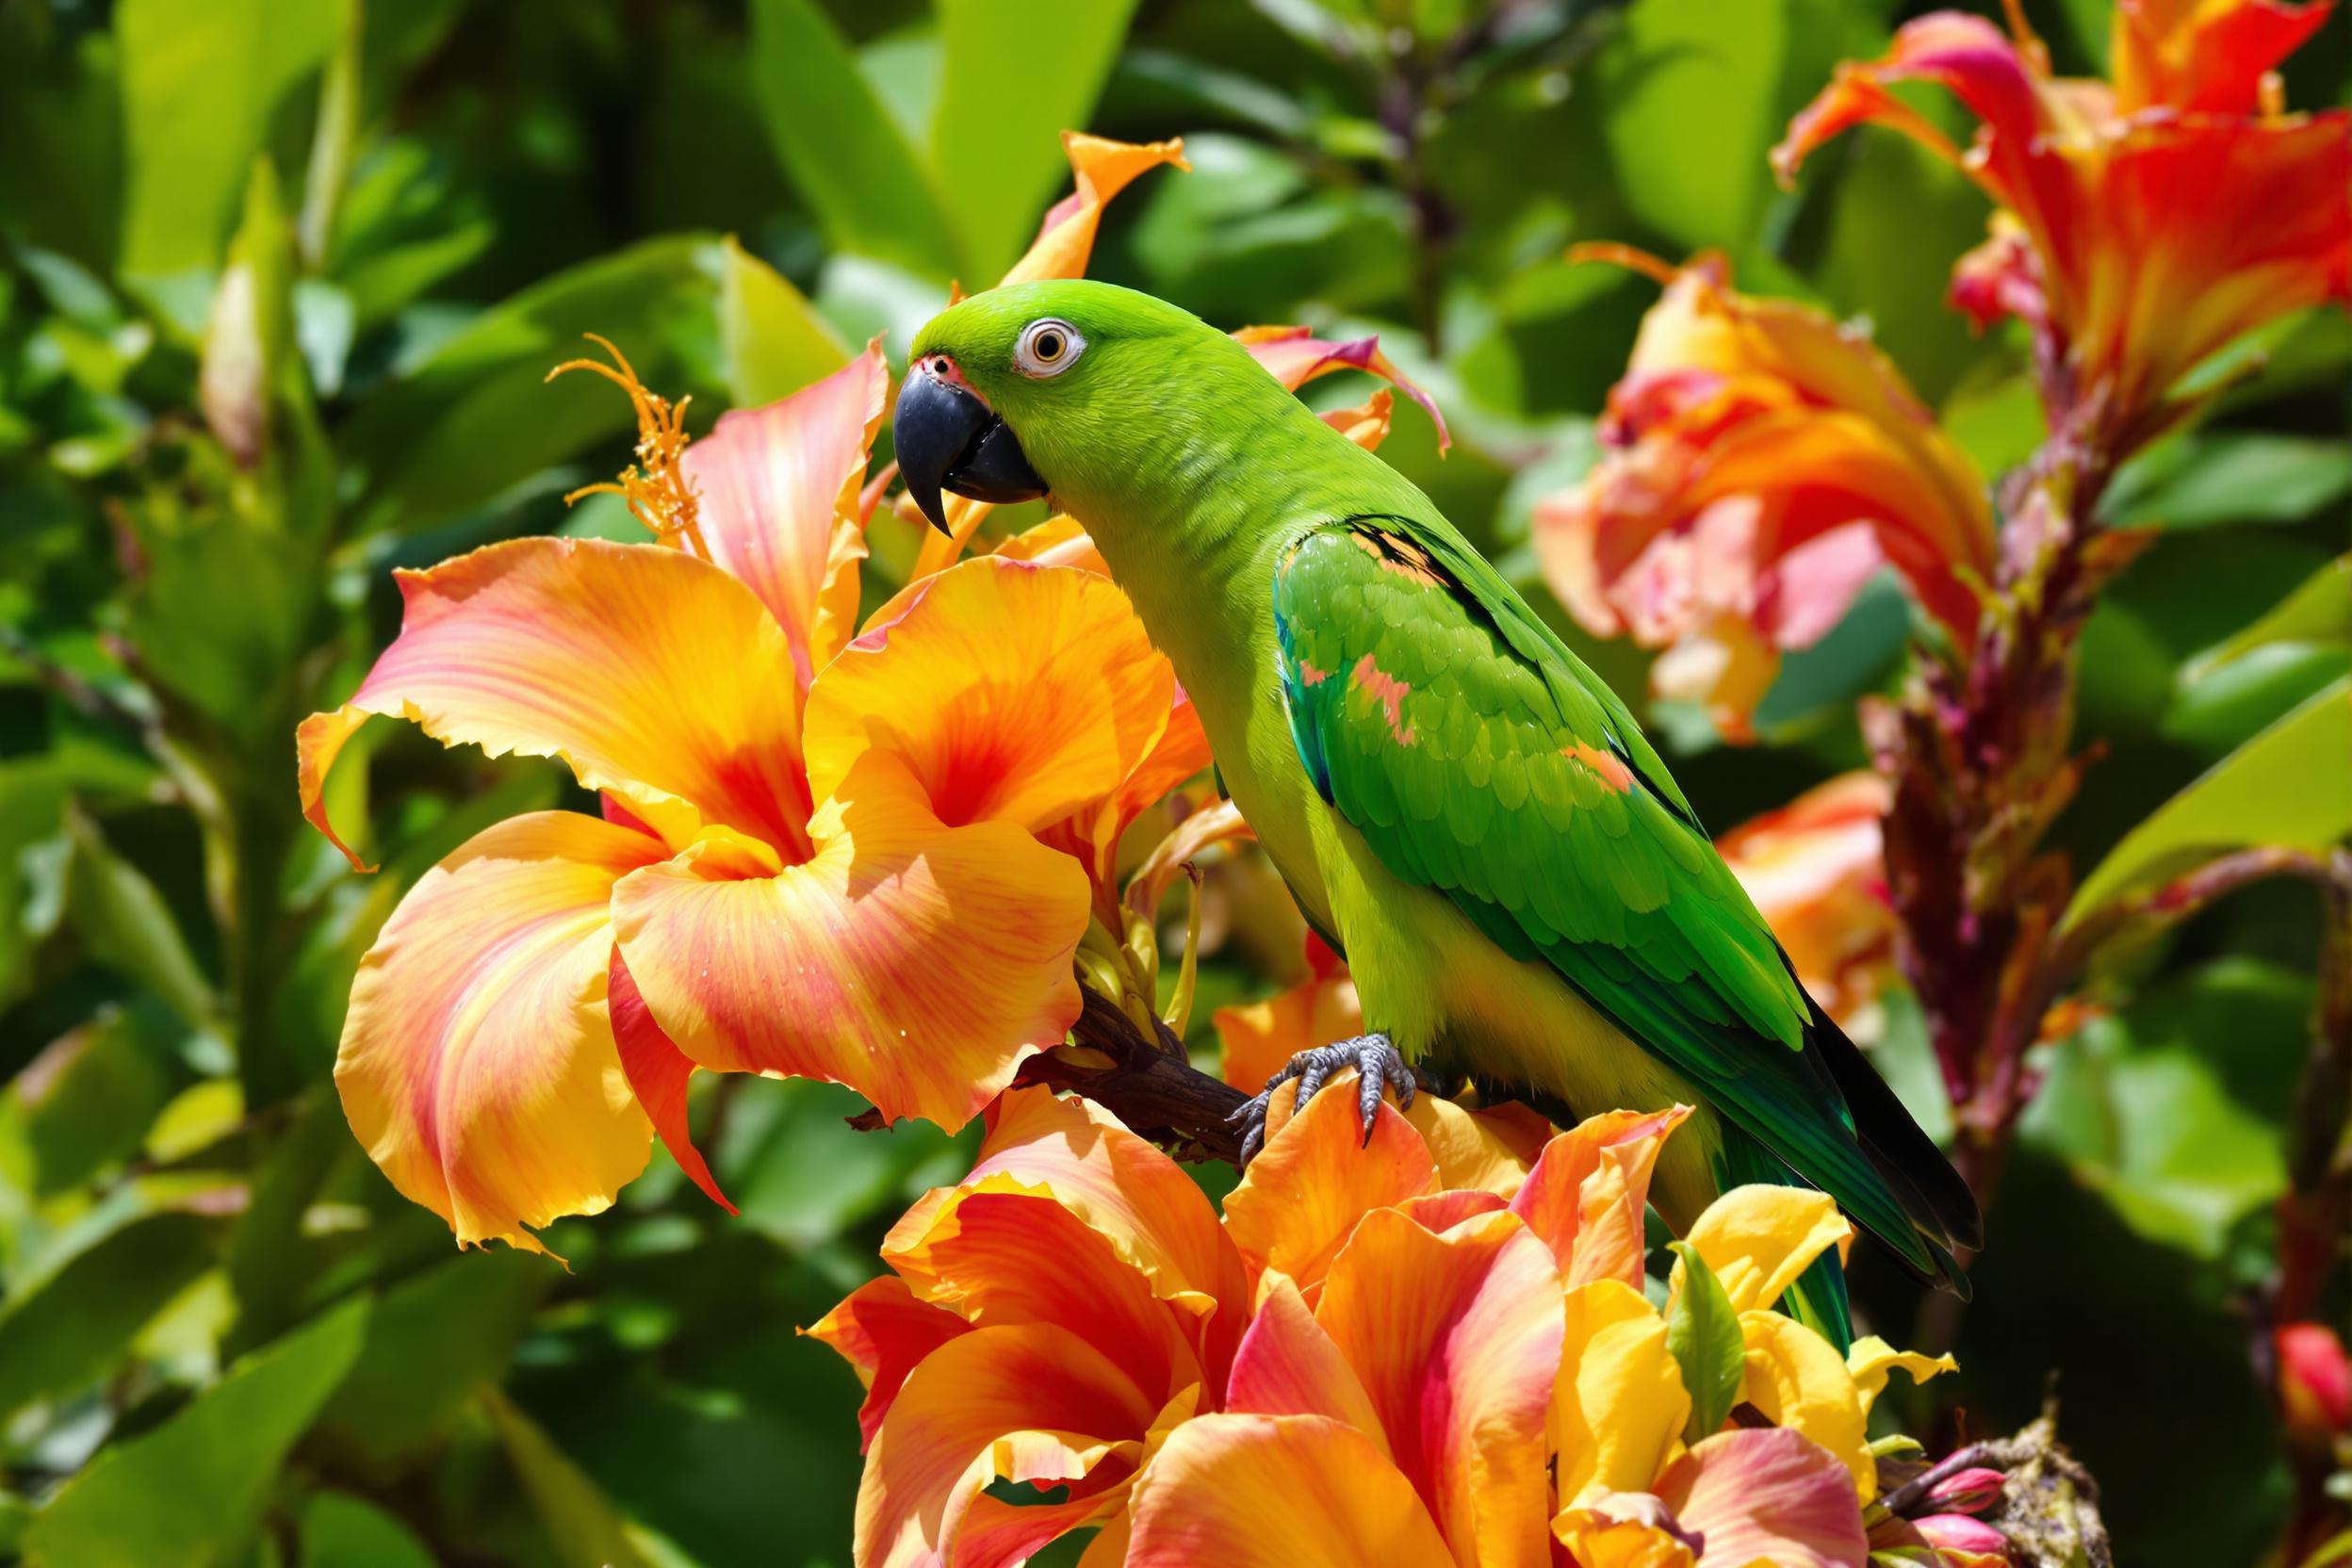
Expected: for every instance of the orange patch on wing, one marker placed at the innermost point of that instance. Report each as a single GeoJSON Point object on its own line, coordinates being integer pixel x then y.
{"type": "Point", "coordinates": [1608, 764]}
{"type": "Point", "coordinates": [1390, 693]}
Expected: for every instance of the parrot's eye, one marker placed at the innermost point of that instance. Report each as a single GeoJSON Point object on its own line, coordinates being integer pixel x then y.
{"type": "Point", "coordinates": [1046, 347]}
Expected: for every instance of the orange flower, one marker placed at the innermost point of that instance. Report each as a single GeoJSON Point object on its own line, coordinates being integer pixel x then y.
{"type": "Point", "coordinates": [1736, 1499]}
{"type": "Point", "coordinates": [1358, 1302]}
{"type": "Point", "coordinates": [1816, 869]}
{"type": "Point", "coordinates": [1763, 463]}
{"type": "Point", "coordinates": [2145, 223]}
{"type": "Point", "coordinates": [824, 854]}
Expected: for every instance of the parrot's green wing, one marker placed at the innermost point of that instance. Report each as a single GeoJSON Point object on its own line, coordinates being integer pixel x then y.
{"type": "Point", "coordinates": [1478, 757]}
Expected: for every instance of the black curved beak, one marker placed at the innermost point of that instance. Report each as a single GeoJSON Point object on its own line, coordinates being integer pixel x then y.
{"type": "Point", "coordinates": [949, 438]}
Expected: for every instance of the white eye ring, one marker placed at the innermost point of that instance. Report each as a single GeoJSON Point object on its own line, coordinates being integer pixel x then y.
{"type": "Point", "coordinates": [1046, 347]}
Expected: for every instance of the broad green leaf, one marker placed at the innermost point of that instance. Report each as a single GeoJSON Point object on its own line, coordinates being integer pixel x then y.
{"type": "Point", "coordinates": [188, 1493]}
{"type": "Point", "coordinates": [838, 143]}
{"type": "Point", "coordinates": [2320, 612]}
{"type": "Point", "coordinates": [774, 340]}
{"type": "Point", "coordinates": [578, 1518]}
{"type": "Point", "coordinates": [87, 1101]}
{"type": "Point", "coordinates": [478, 416]}
{"type": "Point", "coordinates": [126, 925]}
{"type": "Point", "coordinates": [2165, 1109]}
{"type": "Point", "coordinates": [2288, 786]}
{"type": "Point", "coordinates": [2210, 479]}
{"type": "Point", "coordinates": [1703, 1336]}
{"type": "Point", "coordinates": [431, 1344]}
{"type": "Point", "coordinates": [1015, 73]}
{"type": "Point", "coordinates": [201, 85]}
{"type": "Point", "coordinates": [343, 1531]}
{"type": "Point", "coordinates": [71, 1329]}
{"type": "Point", "coordinates": [1680, 63]}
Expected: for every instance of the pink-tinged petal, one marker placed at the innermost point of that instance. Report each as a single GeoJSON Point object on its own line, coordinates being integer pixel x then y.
{"type": "Point", "coordinates": [1013, 693]}
{"type": "Point", "coordinates": [1317, 1176]}
{"type": "Point", "coordinates": [1023, 1402]}
{"type": "Point", "coordinates": [1457, 1339]}
{"type": "Point", "coordinates": [658, 1075]}
{"type": "Point", "coordinates": [1289, 1366]}
{"type": "Point", "coordinates": [1278, 1492]}
{"type": "Point", "coordinates": [1957, 1535]}
{"type": "Point", "coordinates": [1767, 1495]}
{"type": "Point", "coordinates": [654, 675]}
{"type": "Point", "coordinates": [477, 1064]}
{"type": "Point", "coordinates": [884, 1332]}
{"type": "Point", "coordinates": [1100, 168]}
{"type": "Point", "coordinates": [918, 964]}
{"type": "Point", "coordinates": [1295, 357]}
{"type": "Point", "coordinates": [1620, 1404]}
{"type": "Point", "coordinates": [1585, 1196]}
{"type": "Point", "coordinates": [776, 486]}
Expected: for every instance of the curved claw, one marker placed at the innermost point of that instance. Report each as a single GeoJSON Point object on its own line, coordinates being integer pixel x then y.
{"type": "Point", "coordinates": [1377, 1062]}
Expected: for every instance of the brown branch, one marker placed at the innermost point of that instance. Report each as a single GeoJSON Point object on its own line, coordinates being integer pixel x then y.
{"type": "Point", "coordinates": [1150, 1083]}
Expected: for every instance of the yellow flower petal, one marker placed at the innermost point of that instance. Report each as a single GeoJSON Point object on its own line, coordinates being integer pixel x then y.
{"type": "Point", "coordinates": [477, 1064]}
{"type": "Point", "coordinates": [1619, 1407]}
{"type": "Point", "coordinates": [1798, 1380]}
{"type": "Point", "coordinates": [1757, 1239]}
{"type": "Point", "coordinates": [1873, 1361]}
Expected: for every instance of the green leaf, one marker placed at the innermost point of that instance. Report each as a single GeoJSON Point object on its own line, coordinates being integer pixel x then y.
{"type": "Point", "coordinates": [87, 1101]}
{"type": "Point", "coordinates": [1680, 63]}
{"type": "Point", "coordinates": [842, 151]}
{"type": "Point", "coordinates": [2212, 479]}
{"type": "Point", "coordinates": [431, 1344]}
{"type": "Point", "coordinates": [342, 1531]}
{"type": "Point", "coordinates": [73, 1328]}
{"type": "Point", "coordinates": [126, 925]}
{"type": "Point", "coordinates": [2141, 1113]}
{"type": "Point", "coordinates": [1703, 1336]}
{"type": "Point", "coordinates": [188, 1493]}
{"type": "Point", "coordinates": [478, 416]}
{"type": "Point", "coordinates": [2288, 786]}
{"type": "Point", "coordinates": [774, 340]}
{"type": "Point", "coordinates": [2320, 612]}
{"type": "Point", "coordinates": [1015, 73]}
{"type": "Point", "coordinates": [201, 85]}
{"type": "Point", "coordinates": [578, 1518]}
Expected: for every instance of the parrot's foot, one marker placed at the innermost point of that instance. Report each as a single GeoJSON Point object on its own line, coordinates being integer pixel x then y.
{"type": "Point", "coordinates": [1377, 1062]}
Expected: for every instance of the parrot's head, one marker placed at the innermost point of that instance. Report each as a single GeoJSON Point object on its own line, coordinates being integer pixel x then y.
{"type": "Point", "coordinates": [1032, 388]}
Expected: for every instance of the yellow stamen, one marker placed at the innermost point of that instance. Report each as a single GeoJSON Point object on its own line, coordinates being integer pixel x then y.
{"type": "Point", "coordinates": [655, 487]}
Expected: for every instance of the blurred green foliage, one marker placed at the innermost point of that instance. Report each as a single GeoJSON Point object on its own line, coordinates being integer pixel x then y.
{"type": "Point", "coordinates": [279, 281]}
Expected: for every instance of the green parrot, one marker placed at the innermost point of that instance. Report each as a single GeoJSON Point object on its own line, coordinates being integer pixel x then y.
{"type": "Point", "coordinates": [1463, 808]}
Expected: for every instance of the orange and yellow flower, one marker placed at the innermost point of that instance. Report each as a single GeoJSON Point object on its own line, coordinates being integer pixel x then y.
{"type": "Point", "coordinates": [1431, 1347]}
{"type": "Point", "coordinates": [822, 852]}
{"type": "Point", "coordinates": [2144, 223]}
{"type": "Point", "coordinates": [1817, 869]}
{"type": "Point", "coordinates": [1762, 463]}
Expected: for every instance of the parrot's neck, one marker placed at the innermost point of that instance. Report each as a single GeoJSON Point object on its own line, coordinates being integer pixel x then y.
{"type": "Point", "coordinates": [1193, 514]}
